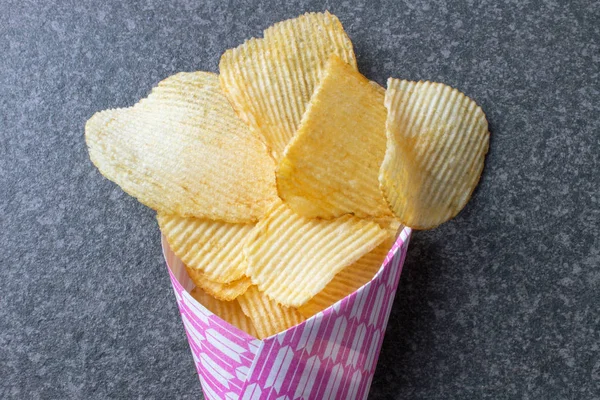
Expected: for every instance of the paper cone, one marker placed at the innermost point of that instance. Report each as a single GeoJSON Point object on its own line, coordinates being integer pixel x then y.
{"type": "Point", "coordinates": [332, 355]}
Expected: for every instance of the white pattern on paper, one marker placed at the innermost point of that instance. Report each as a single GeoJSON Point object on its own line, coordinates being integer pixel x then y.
{"type": "Point", "coordinates": [359, 302]}
{"type": "Point", "coordinates": [334, 382]}
{"type": "Point", "coordinates": [281, 364]}
{"type": "Point", "coordinates": [308, 378]}
{"type": "Point", "coordinates": [195, 357]}
{"type": "Point", "coordinates": [335, 339]}
{"type": "Point", "coordinates": [377, 305]}
{"type": "Point", "coordinates": [225, 345]}
{"type": "Point", "coordinates": [215, 370]}
{"type": "Point", "coordinates": [336, 306]}
{"type": "Point", "coordinates": [353, 389]}
{"type": "Point", "coordinates": [193, 332]}
{"type": "Point", "coordinates": [198, 309]}
{"type": "Point", "coordinates": [252, 392]}
{"type": "Point", "coordinates": [359, 337]}
{"type": "Point", "coordinates": [209, 393]}
{"type": "Point", "coordinates": [372, 350]}
{"type": "Point", "coordinates": [254, 345]}
{"type": "Point", "coordinates": [309, 334]}
{"type": "Point", "coordinates": [242, 372]}
{"type": "Point", "coordinates": [332, 355]}
{"type": "Point", "coordinates": [280, 336]}
{"type": "Point", "coordinates": [395, 270]}
{"type": "Point", "coordinates": [388, 308]}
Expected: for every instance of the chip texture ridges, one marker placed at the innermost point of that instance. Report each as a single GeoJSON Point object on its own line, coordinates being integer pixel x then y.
{"type": "Point", "coordinates": [437, 139]}
{"type": "Point", "coordinates": [291, 258]}
{"type": "Point", "coordinates": [348, 280]}
{"type": "Point", "coordinates": [270, 81]}
{"type": "Point", "coordinates": [331, 166]}
{"type": "Point", "coordinates": [222, 291]}
{"type": "Point", "coordinates": [183, 150]}
{"type": "Point", "coordinates": [213, 247]}
{"type": "Point", "coordinates": [267, 316]}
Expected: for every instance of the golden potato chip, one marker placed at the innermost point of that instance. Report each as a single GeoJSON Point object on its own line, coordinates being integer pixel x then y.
{"type": "Point", "coordinates": [229, 311]}
{"type": "Point", "coordinates": [269, 81]}
{"type": "Point", "coordinates": [267, 316]}
{"type": "Point", "coordinates": [348, 280]}
{"type": "Point", "coordinates": [222, 291]}
{"type": "Point", "coordinates": [331, 166]}
{"type": "Point", "coordinates": [213, 247]}
{"type": "Point", "coordinates": [437, 139]}
{"type": "Point", "coordinates": [292, 258]}
{"type": "Point", "coordinates": [183, 150]}
{"type": "Point", "coordinates": [390, 224]}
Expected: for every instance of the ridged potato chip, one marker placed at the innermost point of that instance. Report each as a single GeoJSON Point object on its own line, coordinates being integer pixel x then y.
{"type": "Point", "coordinates": [222, 291]}
{"type": "Point", "coordinates": [213, 247]}
{"type": "Point", "coordinates": [437, 139]}
{"type": "Point", "coordinates": [390, 224]}
{"type": "Point", "coordinates": [267, 316]}
{"type": "Point", "coordinates": [348, 280]}
{"type": "Point", "coordinates": [229, 311]}
{"type": "Point", "coordinates": [331, 166]}
{"type": "Point", "coordinates": [269, 81]}
{"type": "Point", "coordinates": [292, 258]}
{"type": "Point", "coordinates": [182, 150]}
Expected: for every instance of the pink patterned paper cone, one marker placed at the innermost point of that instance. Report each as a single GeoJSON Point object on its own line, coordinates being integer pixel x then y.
{"type": "Point", "coordinates": [332, 355]}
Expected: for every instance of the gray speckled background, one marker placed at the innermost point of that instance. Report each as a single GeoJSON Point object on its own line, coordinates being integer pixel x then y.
{"type": "Point", "coordinates": [500, 303]}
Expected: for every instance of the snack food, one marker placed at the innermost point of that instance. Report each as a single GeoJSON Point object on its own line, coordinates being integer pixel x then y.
{"type": "Point", "coordinates": [182, 150]}
{"type": "Point", "coordinates": [269, 81]}
{"type": "Point", "coordinates": [291, 258]}
{"type": "Point", "coordinates": [333, 353]}
{"type": "Point", "coordinates": [331, 166]}
{"type": "Point", "coordinates": [267, 316]}
{"type": "Point", "coordinates": [212, 247]}
{"type": "Point", "coordinates": [279, 187]}
{"type": "Point", "coordinates": [437, 139]}
{"type": "Point", "coordinates": [221, 291]}
{"type": "Point", "coordinates": [350, 158]}
{"type": "Point", "coordinates": [348, 280]}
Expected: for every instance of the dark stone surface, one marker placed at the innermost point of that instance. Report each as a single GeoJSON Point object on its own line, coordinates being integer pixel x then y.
{"type": "Point", "coordinates": [500, 303]}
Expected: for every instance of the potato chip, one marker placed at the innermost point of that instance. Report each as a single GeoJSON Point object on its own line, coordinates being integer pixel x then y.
{"type": "Point", "coordinates": [222, 291]}
{"type": "Point", "coordinates": [390, 224]}
{"type": "Point", "coordinates": [213, 247]}
{"type": "Point", "coordinates": [331, 166]}
{"type": "Point", "coordinates": [229, 311]}
{"type": "Point", "coordinates": [437, 139]}
{"type": "Point", "coordinates": [183, 150]}
{"type": "Point", "coordinates": [270, 81]}
{"type": "Point", "coordinates": [348, 280]}
{"type": "Point", "coordinates": [292, 258]}
{"type": "Point", "coordinates": [267, 316]}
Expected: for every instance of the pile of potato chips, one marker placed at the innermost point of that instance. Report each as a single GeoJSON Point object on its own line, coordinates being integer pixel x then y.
{"type": "Point", "coordinates": [282, 181]}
